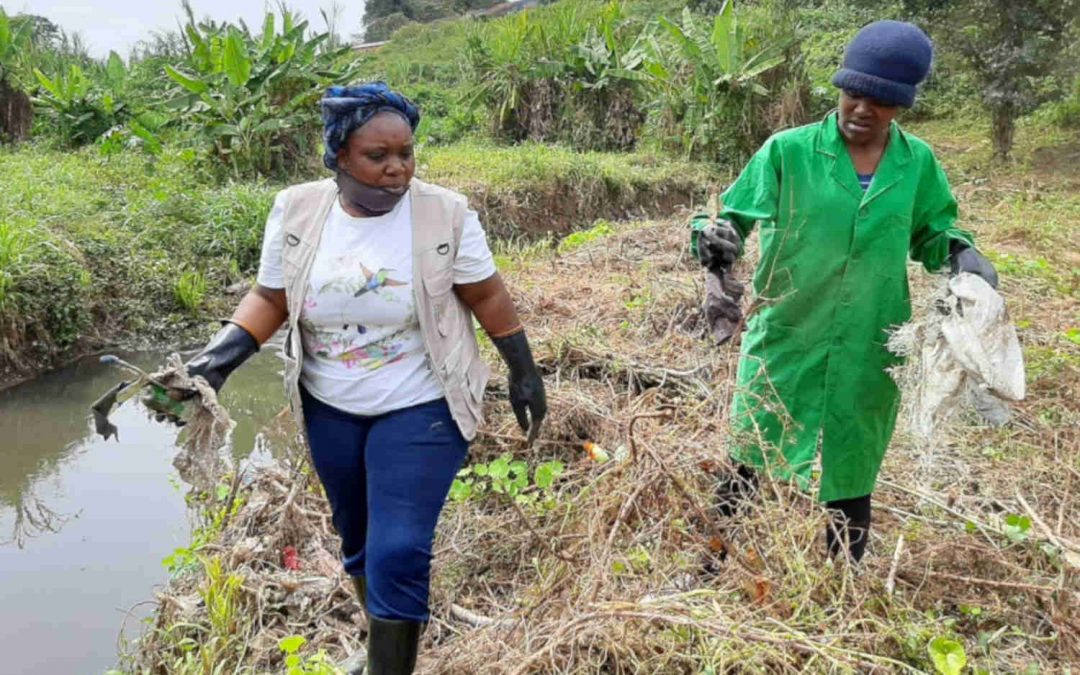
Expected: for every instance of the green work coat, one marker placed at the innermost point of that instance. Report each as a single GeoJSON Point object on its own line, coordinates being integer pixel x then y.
{"type": "Point", "coordinates": [831, 281]}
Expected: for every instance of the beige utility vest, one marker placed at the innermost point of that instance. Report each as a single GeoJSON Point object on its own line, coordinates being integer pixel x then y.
{"type": "Point", "coordinates": [446, 324]}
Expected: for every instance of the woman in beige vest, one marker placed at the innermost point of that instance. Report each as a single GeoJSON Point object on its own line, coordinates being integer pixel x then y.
{"type": "Point", "coordinates": [378, 276]}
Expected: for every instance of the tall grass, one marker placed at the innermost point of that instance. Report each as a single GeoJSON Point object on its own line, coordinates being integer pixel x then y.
{"type": "Point", "coordinates": [13, 244]}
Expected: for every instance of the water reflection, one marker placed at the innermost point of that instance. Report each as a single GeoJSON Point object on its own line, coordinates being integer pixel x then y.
{"type": "Point", "coordinates": [86, 522]}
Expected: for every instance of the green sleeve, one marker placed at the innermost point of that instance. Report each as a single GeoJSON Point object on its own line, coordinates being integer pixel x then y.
{"type": "Point", "coordinates": [752, 197]}
{"type": "Point", "coordinates": [934, 223]}
{"type": "Point", "coordinates": [755, 194]}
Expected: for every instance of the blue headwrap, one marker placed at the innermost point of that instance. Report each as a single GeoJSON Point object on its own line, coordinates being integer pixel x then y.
{"type": "Point", "coordinates": [345, 109]}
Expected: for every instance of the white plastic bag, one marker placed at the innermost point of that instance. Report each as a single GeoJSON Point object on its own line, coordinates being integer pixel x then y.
{"type": "Point", "coordinates": [962, 348]}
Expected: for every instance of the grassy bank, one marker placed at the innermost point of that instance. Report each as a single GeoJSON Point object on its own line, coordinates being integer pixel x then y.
{"type": "Point", "coordinates": [616, 567]}
{"type": "Point", "coordinates": [99, 249]}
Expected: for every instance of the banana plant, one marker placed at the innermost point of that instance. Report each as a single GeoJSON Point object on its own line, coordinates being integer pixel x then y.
{"type": "Point", "coordinates": [712, 81]}
{"type": "Point", "coordinates": [81, 110]}
{"type": "Point", "coordinates": [252, 98]}
{"type": "Point", "coordinates": [14, 38]}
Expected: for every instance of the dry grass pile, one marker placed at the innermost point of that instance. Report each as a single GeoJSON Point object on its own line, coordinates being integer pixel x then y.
{"type": "Point", "coordinates": [625, 567]}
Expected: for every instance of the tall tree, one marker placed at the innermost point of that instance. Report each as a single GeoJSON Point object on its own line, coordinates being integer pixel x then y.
{"type": "Point", "coordinates": [16, 112]}
{"type": "Point", "coordinates": [1009, 44]}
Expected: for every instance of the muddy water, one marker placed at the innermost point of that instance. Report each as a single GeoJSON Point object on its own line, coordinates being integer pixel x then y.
{"type": "Point", "coordinates": [85, 523]}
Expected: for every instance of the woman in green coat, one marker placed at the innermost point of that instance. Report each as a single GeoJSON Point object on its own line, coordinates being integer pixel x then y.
{"type": "Point", "coordinates": [841, 204]}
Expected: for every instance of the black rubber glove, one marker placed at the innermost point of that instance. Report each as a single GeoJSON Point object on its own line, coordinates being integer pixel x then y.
{"type": "Point", "coordinates": [718, 245]}
{"type": "Point", "coordinates": [223, 354]}
{"type": "Point", "coordinates": [527, 396]}
{"type": "Point", "coordinates": [964, 258]}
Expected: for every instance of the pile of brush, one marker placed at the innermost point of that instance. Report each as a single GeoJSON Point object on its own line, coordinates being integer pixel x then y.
{"type": "Point", "coordinates": [621, 564]}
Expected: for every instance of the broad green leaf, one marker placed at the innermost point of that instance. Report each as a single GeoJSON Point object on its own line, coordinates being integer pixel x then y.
{"type": "Point", "coordinates": [186, 81]}
{"type": "Point", "coordinates": [268, 31]}
{"type": "Point", "coordinates": [48, 84]}
{"type": "Point", "coordinates": [152, 144]}
{"type": "Point", "coordinates": [947, 655]}
{"type": "Point", "coordinates": [723, 36]}
{"type": "Point", "coordinates": [235, 60]}
{"type": "Point", "coordinates": [152, 120]}
{"type": "Point", "coordinates": [115, 70]}
{"type": "Point", "coordinates": [222, 130]}
{"type": "Point", "coordinates": [292, 644]}
{"type": "Point", "coordinates": [5, 34]}
{"type": "Point", "coordinates": [544, 477]}
{"type": "Point", "coordinates": [272, 124]}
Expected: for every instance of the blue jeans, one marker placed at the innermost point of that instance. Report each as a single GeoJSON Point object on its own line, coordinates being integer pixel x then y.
{"type": "Point", "coordinates": [386, 478]}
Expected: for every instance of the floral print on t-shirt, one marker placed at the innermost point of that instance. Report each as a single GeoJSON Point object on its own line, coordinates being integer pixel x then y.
{"type": "Point", "coordinates": [353, 291]}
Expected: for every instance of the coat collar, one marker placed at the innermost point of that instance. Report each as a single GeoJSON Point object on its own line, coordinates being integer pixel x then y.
{"type": "Point", "coordinates": [830, 142]}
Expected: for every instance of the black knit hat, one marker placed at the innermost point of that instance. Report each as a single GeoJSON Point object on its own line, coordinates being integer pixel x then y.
{"type": "Point", "coordinates": [885, 61]}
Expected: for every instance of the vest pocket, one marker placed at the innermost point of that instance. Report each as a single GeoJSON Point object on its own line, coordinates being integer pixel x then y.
{"type": "Point", "coordinates": [439, 286]}
{"type": "Point", "coordinates": [438, 275]}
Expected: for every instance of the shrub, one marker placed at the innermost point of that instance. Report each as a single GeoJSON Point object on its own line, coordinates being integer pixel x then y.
{"type": "Point", "coordinates": [568, 73]}
{"type": "Point", "coordinates": [710, 98]}
{"type": "Point", "coordinates": [251, 100]}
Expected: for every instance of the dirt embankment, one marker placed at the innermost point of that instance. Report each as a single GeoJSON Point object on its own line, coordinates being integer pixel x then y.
{"type": "Point", "coordinates": [108, 296]}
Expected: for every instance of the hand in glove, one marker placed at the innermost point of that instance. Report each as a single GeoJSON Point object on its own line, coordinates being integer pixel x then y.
{"type": "Point", "coordinates": [527, 396]}
{"type": "Point", "coordinates": [964, 258]}
{"type": "Point", "coordinates": [718, 245]}
{"type": "Point", "coordinates": [230, 347]}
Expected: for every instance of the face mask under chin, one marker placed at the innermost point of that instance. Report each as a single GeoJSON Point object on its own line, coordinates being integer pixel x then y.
{"type": "Point", "coordinates": [368, 199]}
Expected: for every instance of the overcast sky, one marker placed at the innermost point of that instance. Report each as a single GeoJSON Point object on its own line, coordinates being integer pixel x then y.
{"type": "Point", "coordinates": [119, 24]}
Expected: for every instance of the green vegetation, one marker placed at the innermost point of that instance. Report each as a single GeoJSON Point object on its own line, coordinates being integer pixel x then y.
{"type": "Point", "coordinates": [383, 17]}
{"type": "Point", "coordinates": [94, 245]}
{"type": "Point", "coordinates": [250, 98]}
{"type": "Point", "coordinates": [506, 476]}
{"type": "Point", "coordinates": [142, 196]}
{"type": "Point", "coordinates": [296, 664]}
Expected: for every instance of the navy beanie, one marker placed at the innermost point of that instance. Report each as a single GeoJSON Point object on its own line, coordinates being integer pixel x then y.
{"type": "Point", "coordinates": [886, 60]}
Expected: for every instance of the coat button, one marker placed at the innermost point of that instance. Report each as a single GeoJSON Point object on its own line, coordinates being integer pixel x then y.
{"type": "Point", "coordinates": [864, 211]}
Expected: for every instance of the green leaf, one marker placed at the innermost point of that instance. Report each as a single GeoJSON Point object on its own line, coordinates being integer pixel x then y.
{"type": "Point", "coordinates": [272, 124]}
{"type": "Point", "coordinates": [544, 476]}
{"type": "Point", "coordinates": [292, 644]}
{"type": "Point", "coordinates": [186, 81]}
{"type": "Point", "coordinates": [947, 655]}
{"type": "Point", "coordinates": [47, 84]}
{"type": "Point", "coordinates": [268, 31]}
{"type": "Point", "coordinates": [723, 36]}
{"type": "Point", "coordinates": [1073, 335]}
{"type": "Point", "coordinates": [235, 59]}
{"type": "Point", "coordinates": [500, 468]}
{"type": "Point", "coordinates": [115, 70]}
{"type": "Point", "coordinates": [1017, 527]}
{"type": "Point", "coordinates": [5, 34]}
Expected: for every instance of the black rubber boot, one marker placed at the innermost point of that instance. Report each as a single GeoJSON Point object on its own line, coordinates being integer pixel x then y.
{"type": "Point", "coordinates": [360, 585]}
{"type": "Point", "coordinates": [850, 527]}
{"type": "Point", "coordinates": [357, 661]}
{"type": "Point", "coordinates": [392, 646]}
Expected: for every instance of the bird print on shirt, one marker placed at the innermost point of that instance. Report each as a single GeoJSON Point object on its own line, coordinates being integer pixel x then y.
{"type": "Point", "coordinates": [376, 281]}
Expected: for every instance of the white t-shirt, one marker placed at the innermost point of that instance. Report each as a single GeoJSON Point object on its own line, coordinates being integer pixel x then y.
{"type": "Point", "coordinates": [363, 351]}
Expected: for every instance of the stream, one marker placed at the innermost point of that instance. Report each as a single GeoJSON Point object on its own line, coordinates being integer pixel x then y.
{"type": "Point", "coordinates": [85, 523]}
